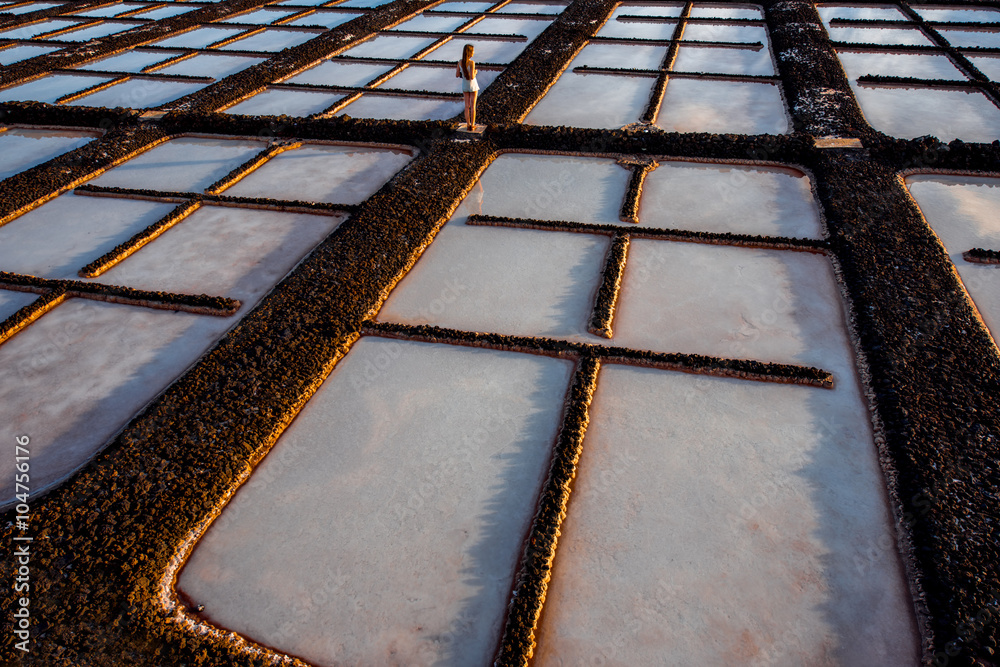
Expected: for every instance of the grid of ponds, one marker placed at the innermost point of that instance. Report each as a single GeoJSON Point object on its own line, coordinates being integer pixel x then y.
{"type": "Point", "coordinates": [223, 221]}
{"type": "Point", "coordinates": [165, 69]}
{"type": "Point", "coordinates": [921, 70]}
{"type": "Point", "coordinates": [408, 71]}
{"type": "Point", "coordinates": [666, 335]}
{"type": "Point", "coordinates": [695, 67]}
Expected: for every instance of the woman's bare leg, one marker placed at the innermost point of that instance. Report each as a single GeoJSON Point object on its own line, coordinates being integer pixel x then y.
{"type": "Point", "coordinates": [468, 110]}
{"type": "Point", "coordinates": [472, 110]}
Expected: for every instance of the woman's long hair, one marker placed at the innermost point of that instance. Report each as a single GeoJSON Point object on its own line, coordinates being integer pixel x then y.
{"type": "Point", "coordinates": [467, 66]}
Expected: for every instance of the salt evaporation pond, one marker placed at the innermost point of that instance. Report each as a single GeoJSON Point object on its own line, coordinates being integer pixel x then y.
{"type": "Point", "coordinates": [964, 212]}
{"type": "Point", "coordinates": [289, 102]}
{"type": "Point", "coordinates": [393, 107]}
{"type": "Point", "coordinates": [914, 112]}
{"type": "Point", "coordinates": [138, 94]}
{"type": "Point", "coordinates": [22, 148]}
{"type": "Point", "coordinates": [726, 522]}
{"type": "Point", "coordinates": [390, 569]}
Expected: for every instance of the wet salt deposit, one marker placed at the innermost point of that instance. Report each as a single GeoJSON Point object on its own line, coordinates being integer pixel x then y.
{"type": "Point", "coordinates": [390, 569]}
{"type": "Point", "coordinates": [963, 212]}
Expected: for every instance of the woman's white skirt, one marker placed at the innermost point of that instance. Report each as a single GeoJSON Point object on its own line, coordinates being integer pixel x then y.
{"type": "Point", "coordinates": [469, 86]}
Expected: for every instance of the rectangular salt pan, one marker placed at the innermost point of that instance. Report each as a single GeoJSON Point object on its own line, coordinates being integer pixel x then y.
{"type": "Point", "coordinates": [959, 14]}
{"type": "Point", "coordinates": [436, 79]}
{"type": "Point", "coordinates": [581, 100]}
{"type": "Point", "coordinates": [50, 88]}
{"type": "Point", "coordinates": [182, 165]}
{"type": "Point", "coordinates": [233, 252]}
{"type": "Point", "coordinates": [23, 52]}
{"type": "Point", "coordinates": [495, 25]}
{"type": "Point", "coordinates": [138, 94]}
{"type": "Point", "coordinates": [212, 65]}
{"type": "Point", "coordinates": [334, 174]}
{"type": "Point", "coordinates": [402, 108]}
{"type": "Point", "coordinates": [130, 61]}
{"type": "Point", "coordinates": [272, 39]}
{"type": "Point", "coordinates": [199, 38]}
{"type": "Point", "coordinates": [635, 30]}
{"type": "Point", "coordinates": [723, 61]}
{"type": "Point", "coordinates": [32, 29]}
{"type": "Point", "coordinates": [695, 105]}
{"type": "Point", "coordinates": [731, 302]}
{"type": "Point", "coordinates": [971, 38]}
{"type": "Point", "coordinates": [340, 73]}
{"type": "Point", "coordinates": [390, 46]}
{"type": "Point", "coordinates": [708, 10]}
{"type": "Point", "coordinates": [550, 187]}
{"type": "Point", "coordinates": [287, 102]}
{"type": "Point", "coordinates": [415, 471]}
{"type": "Point", "coordinates": [432, 23]}
{"type": "Point", "coordinates": [725, 522]}
{"type": "Point", "coordinates": [988, 65]}
{"type": "Point", "coordinates": [770, 201]}
{"type": "Point", "coordinates": [486, 51]}
{"type": "Point", "coordinates": [76, 376]}
{"type": "Point", "coordinates": [946, 114]}
{"type": "Point", "coordinates": [22, 149]}
{"type": "Point", "coordinates": [917, 65]}
{"type": "Point", "coordinates": [716, 32]}
{"type": "Point", "coordinates": [325, 19]}
{"type": "Point", "coordinates": [259, 17]}
{"type": "Point", "coordinates": [621, 56]}
{"type": "Point", "coordinates": [102, 29]}
{"type": "Point", "coordinates": [901, 36]}
{"type": "Point", "coordinates": [62, 236]}
{"type": "Point", "coordinates": [536, 283]}
{"type": "Point", "coordinates": [875, 12]}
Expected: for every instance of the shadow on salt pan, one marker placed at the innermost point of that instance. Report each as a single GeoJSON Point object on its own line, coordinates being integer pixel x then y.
{"type": "Point", "coordinates": [413, 473]}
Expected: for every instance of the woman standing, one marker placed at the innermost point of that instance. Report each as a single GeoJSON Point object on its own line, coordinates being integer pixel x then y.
{"type": "Point", "coordinates": [470, 87]}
